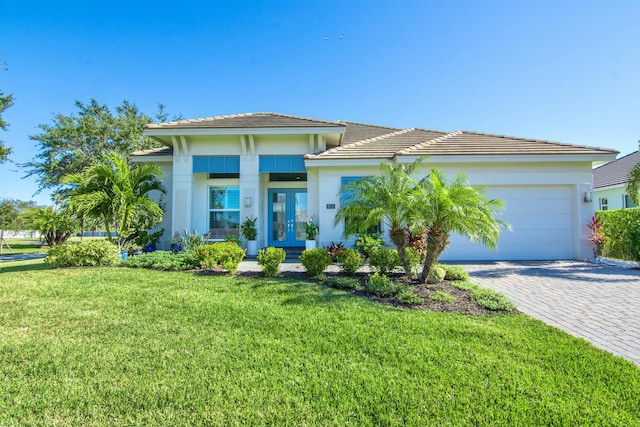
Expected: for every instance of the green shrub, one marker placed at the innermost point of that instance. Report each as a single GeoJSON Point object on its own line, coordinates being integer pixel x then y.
{"type": "Point", "coordinates": [492, 300]}
{"type": "Point", "coordinates": [315, 261]}
{"type": "Point", "coordinates": [366, 244]}
{"type": "Point", "coordinates": [164, 260]}
{"type": "Point", "coordinates": [350, 261]}
{"type": "Point", "coordinates": [226, 255]}
{"type": "Point", "coordinates": [270, 259]}
{"type": "Point", "coordinates": [384, 260]}
{"type": "Point", "coordinates": [344, 283]}
{"type": "Point", "coordinates": [381, 285]}
{"type": "Point", "coordinates": [406, 295]}
{"type": "Point", "coordinates": [621, 230]}
{"type": "Point", "coordinates": [436, 275]}
{"type": "Point", "coordinates": [87, 253]}
{"type": "Point", "coordinates": [454, 272]}
{"type": "Point", "coordinates": [189, 242]}
{"type": "Point", "coordinates": [442, 296]}
{"type": "Point", "coordinates": [464, 285]}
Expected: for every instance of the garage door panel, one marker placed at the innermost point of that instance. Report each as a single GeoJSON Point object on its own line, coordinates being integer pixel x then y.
{"type": "Point", "coordinates": [541, 221]}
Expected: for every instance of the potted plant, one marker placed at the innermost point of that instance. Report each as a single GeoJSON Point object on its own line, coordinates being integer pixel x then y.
{"type": "Point", "coordinates": [311, 229]}
{"type": "Point", "coordinates": [250, 232]}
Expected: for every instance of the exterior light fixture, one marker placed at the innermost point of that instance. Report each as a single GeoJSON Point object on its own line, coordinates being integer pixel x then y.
{"type": "Point", "coordinates": [248, 202]}
{"type": "Point", "coordinates": [588, 196]}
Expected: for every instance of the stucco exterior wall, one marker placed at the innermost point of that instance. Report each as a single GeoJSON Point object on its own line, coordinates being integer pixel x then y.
{"type": "Point", "coordinates": [614, 196]}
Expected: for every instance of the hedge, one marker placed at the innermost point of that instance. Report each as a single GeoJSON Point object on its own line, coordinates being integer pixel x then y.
{"type": "Point", "coordinates": [621, 229]}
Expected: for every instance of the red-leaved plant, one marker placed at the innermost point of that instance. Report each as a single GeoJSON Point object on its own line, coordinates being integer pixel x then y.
{"type": "Point", "coordinates": [595, 235]}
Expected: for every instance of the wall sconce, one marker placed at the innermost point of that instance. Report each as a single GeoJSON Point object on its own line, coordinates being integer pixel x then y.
{"type": "Point", "coordinates": [588, 196]}
{"type": "Point", "coordinates": [247, 202]}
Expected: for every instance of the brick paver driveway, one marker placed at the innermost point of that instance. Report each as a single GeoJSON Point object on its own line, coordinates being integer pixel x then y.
{"type": "Point", "coordinates": [598, 303]}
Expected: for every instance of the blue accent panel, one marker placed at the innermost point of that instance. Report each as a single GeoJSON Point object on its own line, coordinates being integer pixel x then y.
{"type": "Point", "coordinates": [282, 164]}
{"type": "Point", "coordinates": [219, 164]}
{"type": "Point", "coordinates": [346, 179]}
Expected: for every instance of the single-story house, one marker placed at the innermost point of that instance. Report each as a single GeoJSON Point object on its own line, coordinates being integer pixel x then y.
{"type": "Point", "coordinates": [285, 169]}
{"type": "Point", "coordinates": [610, 182]}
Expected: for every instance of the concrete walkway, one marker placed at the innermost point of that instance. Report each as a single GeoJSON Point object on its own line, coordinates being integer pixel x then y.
{"type": "Point", "coordinates": [598, 303]}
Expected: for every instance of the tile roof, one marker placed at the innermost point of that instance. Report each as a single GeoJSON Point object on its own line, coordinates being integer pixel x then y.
{"type": "Point", "coordinates": [246, 120]}
{"type": "Point", "coordinates": [419, 142]}
{"type": "Point", "coordinates": [360, 131]}
{"type": "Point", "coordinates": [161, 151]}
{"type": "Point", "coordinates": [616, 172]}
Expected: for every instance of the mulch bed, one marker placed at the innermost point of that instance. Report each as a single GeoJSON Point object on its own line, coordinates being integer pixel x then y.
{"type": "Point", "coordinates": [463, 303]}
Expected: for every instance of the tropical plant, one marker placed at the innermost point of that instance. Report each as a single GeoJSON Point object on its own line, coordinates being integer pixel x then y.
{"type": "Point", "coordinates": [117, 193]}
{"type": "Point", "coordinates": [54, 225]}
{"type": "Point", "coordinates": [633, 184]}
{"type": "Point", "coordinates": [6, 101]}
{"type": "Point", "coordinates": [248, 229]}
{"type": "Point", "coordinates": [367, 243]}
{"type": "Point", "coordinates": [596, 237]}
{"type": "Point", "coordinates": [311, 229]}
{"type": "Point", "coordinates": [381, 198]}
{"type": "Point", "coordinates": [457, 207]}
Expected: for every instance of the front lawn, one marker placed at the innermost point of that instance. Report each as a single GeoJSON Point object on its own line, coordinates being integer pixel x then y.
{"type": "Point", "coordinates": [23, 246]}
{"type": "Point", "coordinates": [116, 346]}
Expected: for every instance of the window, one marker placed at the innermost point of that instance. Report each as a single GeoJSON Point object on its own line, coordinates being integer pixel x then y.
{"type": "Point", "coordinates": [604, 204]}
{"type": "Point", "coordinates": [627, 202]}
{"type": "Point", "coordinates": [224, 212]}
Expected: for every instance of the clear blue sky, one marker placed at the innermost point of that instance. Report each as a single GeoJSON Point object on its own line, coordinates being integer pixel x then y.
{"type": "Point", "coordinates": [564, 70]}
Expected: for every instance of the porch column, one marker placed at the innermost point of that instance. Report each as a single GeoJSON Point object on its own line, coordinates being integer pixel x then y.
{"type": "Point", "coordinates": [250, 189]}
{"type": "Point", "coordinates": [182, 194]}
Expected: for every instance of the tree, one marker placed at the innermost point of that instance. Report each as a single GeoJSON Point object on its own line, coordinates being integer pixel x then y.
{"type": "Point", "coordinates": [54, 225]}
{"type": "Point", "coordinates": [457, 207]}
{"type": "Point", "coordinates": [381, 198]}
{"type": "Point", "coordinates": [6, 101]}
{"type": "Point", "coordinates": [633, 184]}
{"type": "Point", "coordinates": [74, 143]}
{"type": "Point", "coordinates": [8, 220]}
{"type": "Point", "coordinates": [117, 193]}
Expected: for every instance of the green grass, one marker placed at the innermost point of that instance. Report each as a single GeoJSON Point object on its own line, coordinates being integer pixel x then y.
{"type": "Point", "coordinates": [23, 246]}
{"type": "Point", "coordinates": [115, 346]}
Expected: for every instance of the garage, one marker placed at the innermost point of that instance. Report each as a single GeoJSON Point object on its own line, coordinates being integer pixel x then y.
{"type": "Point", "coordinates": [541, 226]}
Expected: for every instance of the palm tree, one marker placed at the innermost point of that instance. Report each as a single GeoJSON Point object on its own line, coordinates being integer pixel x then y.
{"type": "Point", "coordinates": [381, 198]}
{"type": "Point", "coordinates": [456, 207]}
{"type": "Point", "coordinates": [633, 184]}
{"type": "Point", "coordinates": [117, 193]}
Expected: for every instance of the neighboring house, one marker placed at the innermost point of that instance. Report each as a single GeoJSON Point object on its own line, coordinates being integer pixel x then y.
{"type": "Point", "coordinates": [284, 169]}
{"type": "Point", "coordinates": [610, 181]}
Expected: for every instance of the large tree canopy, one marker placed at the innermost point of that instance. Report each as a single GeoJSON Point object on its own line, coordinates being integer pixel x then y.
{"type": "Point", "coordinates": [6, 101]}
{"type": "Point", "coordinates": [633, 184]}
{"type": "Point", "coordinates": [73, 143]}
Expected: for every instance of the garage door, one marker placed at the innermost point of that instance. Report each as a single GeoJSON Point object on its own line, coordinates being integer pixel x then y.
{"type": "Point", "coordinates": [541, 222]}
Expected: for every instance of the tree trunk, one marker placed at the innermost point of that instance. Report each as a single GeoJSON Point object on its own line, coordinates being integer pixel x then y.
{"type": "Point", "coordinates": [399, 238]}
{"type": "Point", "coordinates": [437, 241]}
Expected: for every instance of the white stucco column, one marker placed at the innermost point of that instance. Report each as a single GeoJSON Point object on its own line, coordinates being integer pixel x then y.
{"type": "Point", "coordinates": [182, 194]}
{"type": "Point", "coordinates": [250, 187]}
{"type": "Point", "coordinates": [583, 248]}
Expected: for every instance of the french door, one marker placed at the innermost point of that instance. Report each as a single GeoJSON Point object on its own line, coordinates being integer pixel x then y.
{"type": "Point", "coordinates": [287, 216]}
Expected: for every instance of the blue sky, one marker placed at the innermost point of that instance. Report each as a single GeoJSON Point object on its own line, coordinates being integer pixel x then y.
{"type": "Point", "coordinates": [565, 70]}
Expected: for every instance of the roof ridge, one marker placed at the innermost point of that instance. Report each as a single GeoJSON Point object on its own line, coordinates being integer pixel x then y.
{"type": "Point", "coordinates": [367, 124]}
{"type": "Point", "coordinates": [429, 142]}
{"type": "Point", "coordinates": [362, 142]}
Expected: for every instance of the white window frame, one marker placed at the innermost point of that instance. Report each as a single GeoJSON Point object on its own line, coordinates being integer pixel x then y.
{"type": "Point", "coordinates": [604, 203]}
{"type": "Point", "coordinates": [232, 232]}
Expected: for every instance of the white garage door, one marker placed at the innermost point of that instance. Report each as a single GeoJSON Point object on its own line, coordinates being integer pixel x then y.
{"type": "Point", "coordinates": [541, 222]}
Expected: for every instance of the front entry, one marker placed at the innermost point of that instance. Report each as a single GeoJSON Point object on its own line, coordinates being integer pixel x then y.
{"type": "Point", "coordinates": [287, 216]}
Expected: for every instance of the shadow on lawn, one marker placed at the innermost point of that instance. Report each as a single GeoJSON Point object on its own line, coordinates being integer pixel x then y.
{"type": "Point", "coordinates": [23, 266]}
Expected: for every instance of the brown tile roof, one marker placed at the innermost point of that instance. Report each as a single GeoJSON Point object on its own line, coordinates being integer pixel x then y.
{"type": "Point", "coordinates": [360, 131]}
{"type": "Point", "coordinates": [246, 120]}
{"type": "Point", "coordinates": [383, 146]}
{"type": "Point", "coordinates": [478, 144]}
{"type": "Point", "coordinates": [616, 172]}
{"type": "Point", "coordinates": [419, 142]}
{"type": "Point", "coordinates": [161, 151]}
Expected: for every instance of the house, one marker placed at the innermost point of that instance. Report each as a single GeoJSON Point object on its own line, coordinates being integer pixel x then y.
{"type": "Point", "coordinates": [610, 181]}
{"type": "Point", "coordinates": [285, 169]}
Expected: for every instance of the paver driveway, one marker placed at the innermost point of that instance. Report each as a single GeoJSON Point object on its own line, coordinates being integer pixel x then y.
{"type": "Point", "coordinates": [598, 303]}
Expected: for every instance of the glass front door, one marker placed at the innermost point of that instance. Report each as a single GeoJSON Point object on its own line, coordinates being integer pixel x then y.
{"type": "Point", "coordinates": [287, 216]}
